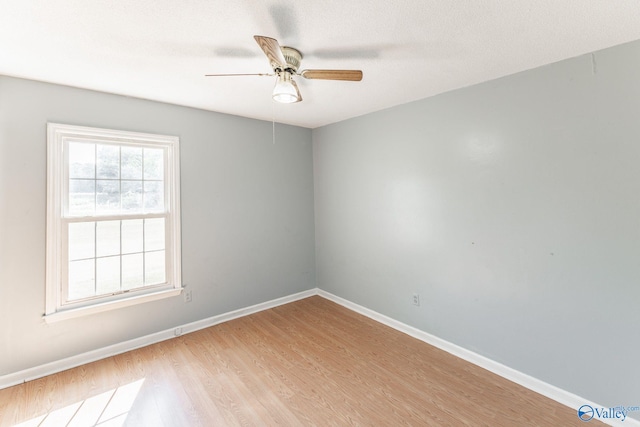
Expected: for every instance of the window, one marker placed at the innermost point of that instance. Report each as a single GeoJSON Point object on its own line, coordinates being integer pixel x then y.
{"type": "Point", "coordinates": [113, 219]}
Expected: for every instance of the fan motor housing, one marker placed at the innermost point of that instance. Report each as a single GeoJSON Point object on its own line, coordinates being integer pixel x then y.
{"type": "Point", "coordinates": [292, 56]}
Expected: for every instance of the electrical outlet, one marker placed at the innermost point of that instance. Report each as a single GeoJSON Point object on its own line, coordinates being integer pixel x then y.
{"type": "Point", "coordinates": [177, 332]}
{"type": "Point", "coordinates": [416, 299]}
{"type": "Point", "coordinates": [187, 295]}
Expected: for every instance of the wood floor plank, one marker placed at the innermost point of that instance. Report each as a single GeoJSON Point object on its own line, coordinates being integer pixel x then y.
{"type": "Point", "coordinates": [311, 363]}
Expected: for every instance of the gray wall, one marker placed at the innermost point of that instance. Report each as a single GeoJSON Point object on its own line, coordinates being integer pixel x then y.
{"type": "Point", "coordinates": [512, 208]}
{"type": "Point", "coordinates": [247, 216]}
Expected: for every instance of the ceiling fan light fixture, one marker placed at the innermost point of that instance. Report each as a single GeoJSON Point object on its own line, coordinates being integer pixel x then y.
{"type": "Point", "coordinates": [284, 62]}
{"type": "Point", "coordinates": [284, 91]}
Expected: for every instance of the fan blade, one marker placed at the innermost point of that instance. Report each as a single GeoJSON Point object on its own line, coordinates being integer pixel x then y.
{"type": "Point", "coordinates": [271, 48]}
{"type": "Point", "coordinates": [235, 75]}
{"type": "Point", "coordinates": [297, 90]}
{"type": "Point", "coordinates": [348, 75]}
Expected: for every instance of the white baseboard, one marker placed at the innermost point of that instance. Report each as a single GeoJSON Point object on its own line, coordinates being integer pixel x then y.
{"type": "Point", "coordinates": [561, 396]}
{"type": "Point", "coordinates": [534, 384]}
{"type": "Point", "coordinates": [112, 350]}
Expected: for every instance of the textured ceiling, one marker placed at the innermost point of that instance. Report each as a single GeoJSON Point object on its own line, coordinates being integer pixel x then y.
{"type": "Point", "coordinates": [407, 49]}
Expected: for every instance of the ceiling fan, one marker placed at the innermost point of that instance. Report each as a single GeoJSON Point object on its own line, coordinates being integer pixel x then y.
{"type": "Point", "coordinates": [285, 61]}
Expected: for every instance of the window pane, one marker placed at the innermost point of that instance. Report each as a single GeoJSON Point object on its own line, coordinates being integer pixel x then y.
{"type": "Point", "coordinates": [81, 279]}
{"type": "Point", "coordinates": [82, 160]}
{"type": "Point", "coordinates": [108, 161]}
{"type": "Point", "coordinates": [132, 196]}
{"type": "Point", "coordinates": [108, 238]}
{"type": "Point", "coordinates": [107, 197]}
{"type": "Point", "coordinates": [82, 240]}
{"type": "Point", "coordinates": [108, 275]}
{"type": "Point", "coordinates": [132, 236]}
{"type": "Point", "coordinates": [153, 234]}
{"type": "Point", "coordinates": [131, 163]}
{"type": "Point", "coordinates": [82, 197]}
{"type": "Point", "coordinates": [154, 268]}
{"type": "Point", "coordinates": [132, 271]}
{"type": "Point", "coordinates": [153, 163]}
{"type": "Point", "coordinates": [153, 196]}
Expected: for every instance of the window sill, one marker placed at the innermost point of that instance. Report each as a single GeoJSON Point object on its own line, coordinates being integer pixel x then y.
{"type": "Point", "coordinates": [111, 305]}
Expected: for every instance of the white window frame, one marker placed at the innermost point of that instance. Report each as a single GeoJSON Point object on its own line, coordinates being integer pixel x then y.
{"type": "Point", "coordinates": [58, 136]}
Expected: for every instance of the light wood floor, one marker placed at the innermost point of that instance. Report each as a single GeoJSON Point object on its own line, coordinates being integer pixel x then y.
{"type": "Point", "coordinates": [311, 362]}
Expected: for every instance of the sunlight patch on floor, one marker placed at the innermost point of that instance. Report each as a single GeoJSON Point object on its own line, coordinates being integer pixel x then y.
{"type": "Point", "coordinates": [108, 409]}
